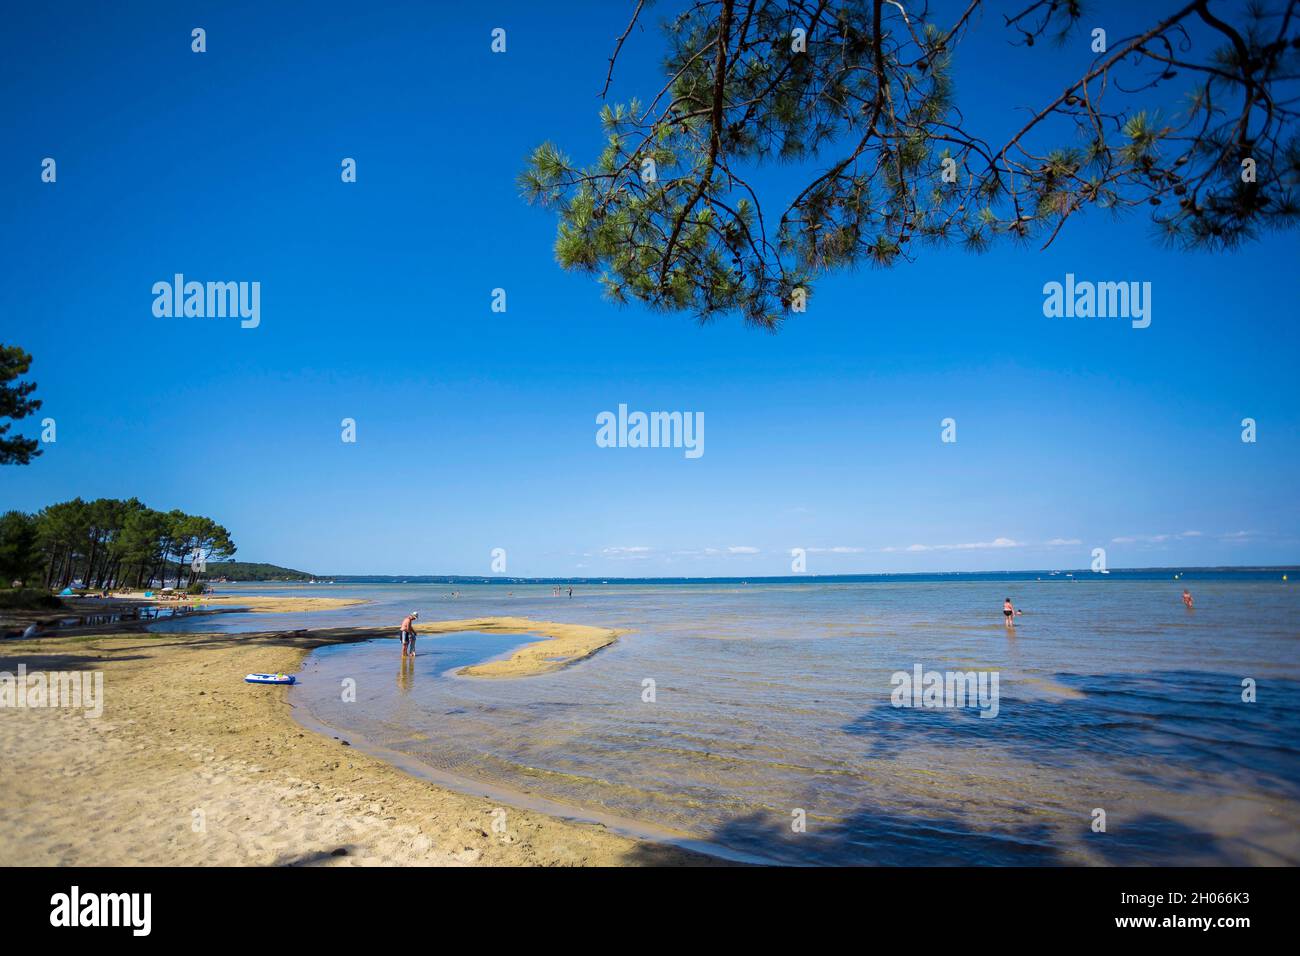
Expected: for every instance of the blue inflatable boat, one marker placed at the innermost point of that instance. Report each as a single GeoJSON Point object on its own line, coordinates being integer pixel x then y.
{"type": "Point", "coordinates": [269, 679]}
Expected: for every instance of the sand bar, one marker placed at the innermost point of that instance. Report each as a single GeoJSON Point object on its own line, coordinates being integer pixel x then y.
{"type": "Point", "coordinates": [564, 644]}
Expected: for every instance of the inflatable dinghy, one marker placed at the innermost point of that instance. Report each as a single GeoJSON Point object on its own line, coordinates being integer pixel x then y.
{"type": "Point", "coordinates": [269, 679]}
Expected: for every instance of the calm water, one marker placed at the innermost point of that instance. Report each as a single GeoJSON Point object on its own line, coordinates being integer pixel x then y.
{"type": "Point", "coordinates": [775, 698]}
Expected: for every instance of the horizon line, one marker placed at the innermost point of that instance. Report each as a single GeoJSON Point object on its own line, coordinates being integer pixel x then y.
{"type": "Point", "coordinates": [791, 577]}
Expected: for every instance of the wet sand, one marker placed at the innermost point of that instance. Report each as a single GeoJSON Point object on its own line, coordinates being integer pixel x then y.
{"type": "Point", "coordinates": [69, 607]}
{"type": "Point", "coordinates": [190, 766]}
{"type": "Point", "coordinates": [127, 607]}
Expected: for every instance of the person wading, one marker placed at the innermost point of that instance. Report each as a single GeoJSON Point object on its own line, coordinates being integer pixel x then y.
{"type": "Point", "coordinates": [408, 633]}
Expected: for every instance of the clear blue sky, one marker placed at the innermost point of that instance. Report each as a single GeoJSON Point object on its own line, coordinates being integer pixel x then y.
{"type": "Point", "coordinates": [476, 429]}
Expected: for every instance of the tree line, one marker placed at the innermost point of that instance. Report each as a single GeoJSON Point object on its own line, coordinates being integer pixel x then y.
{"type": "Point", "coordinates": [108, 543]}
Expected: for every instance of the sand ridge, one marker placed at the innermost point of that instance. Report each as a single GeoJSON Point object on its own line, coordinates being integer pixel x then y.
{"type": "Point", "coordinates": [564, 644]}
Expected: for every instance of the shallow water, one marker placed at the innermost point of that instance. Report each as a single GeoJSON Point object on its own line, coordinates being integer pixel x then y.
{"type": "Point", "coordinates": [774, 699]}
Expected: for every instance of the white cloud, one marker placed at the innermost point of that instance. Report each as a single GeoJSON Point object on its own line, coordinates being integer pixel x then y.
{"type": "Point", "coordinates": [971, 546]}
{"type": "Point", "coordinates": [1154, 538]}
{"type": "Point", "coordinates": [715, 552]}
{"type": "Point", "coordinates": [636, 551]}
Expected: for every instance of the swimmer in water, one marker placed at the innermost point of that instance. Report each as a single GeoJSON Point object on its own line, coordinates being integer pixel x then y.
{"type": "Point", "coordinates": [1009, 612]}
{"type": "Point", "coordinates": [1187, 598]}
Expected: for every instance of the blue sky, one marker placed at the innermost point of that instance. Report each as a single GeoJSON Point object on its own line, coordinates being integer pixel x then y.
{"type": "Point", "coordinates": [476, 429]}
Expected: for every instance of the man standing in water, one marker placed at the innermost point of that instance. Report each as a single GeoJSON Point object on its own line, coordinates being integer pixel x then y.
{"type": "Point", "coordinates": [1009, 612]}
{"type": "Point", "coordinates": [408, 633]}
{"type": "Point", "coordinates": [1187, 598]}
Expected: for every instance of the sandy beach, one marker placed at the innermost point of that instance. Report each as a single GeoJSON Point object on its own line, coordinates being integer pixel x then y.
{"type": "Point", "coordinates": [275, 604]}
{"type": "Point", "coordinates": [188, 765]}
{"type": "Point", "coordinates": [258, 603]}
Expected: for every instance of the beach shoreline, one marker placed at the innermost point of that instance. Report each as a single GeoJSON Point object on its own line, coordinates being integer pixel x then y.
{"type": "Point", "coordinates": [259, 604]}
{"type": "Point", "coordinates": [122, 611]}
{"type": "Point", "coordinates": [190, 766]}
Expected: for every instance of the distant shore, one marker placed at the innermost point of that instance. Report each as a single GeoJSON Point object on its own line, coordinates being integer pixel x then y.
{"type": "Point", "coordinates": [1190, 572]}
{"type": "Point", "coordinates": [190, 766]}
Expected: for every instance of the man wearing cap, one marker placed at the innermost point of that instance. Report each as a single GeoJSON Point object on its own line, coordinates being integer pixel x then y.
{"type": "Point", "coordinates": [408, 633]}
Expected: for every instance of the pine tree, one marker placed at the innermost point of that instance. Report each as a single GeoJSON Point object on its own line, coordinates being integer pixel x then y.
{"type": "Point", "coordinates": [862, 91]}
{"type": "Point", "coordinates": [14, 405]}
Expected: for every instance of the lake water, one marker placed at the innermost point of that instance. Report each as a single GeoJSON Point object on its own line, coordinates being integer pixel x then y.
{"type": "Point", "coordinates": [772, 704]}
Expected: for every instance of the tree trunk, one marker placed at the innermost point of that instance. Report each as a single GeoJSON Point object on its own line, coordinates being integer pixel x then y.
{"type": "Point", "coordinates": [90, 558]}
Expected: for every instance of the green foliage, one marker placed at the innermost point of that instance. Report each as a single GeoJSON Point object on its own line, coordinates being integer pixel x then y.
{"type": "Point", "coordinates": [20, 553]}
{"type": "Point", "coordinates": [110, 543]}
{"type": "Point", "coordinates": [29, 599]}
{"type": "Point", "coordinates": [246, 571]}
{"type": "Point", "coordinates": [15, 404]}
{"type": "Point", "coordinates": [666, 213]}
